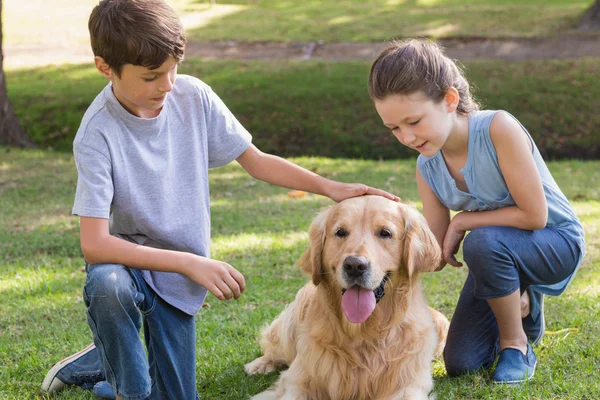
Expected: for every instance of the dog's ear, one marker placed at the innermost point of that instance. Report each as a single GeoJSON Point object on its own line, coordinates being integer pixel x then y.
{"type": "Point", "coordinates": [311, 262]}
{"type": "Point", "coordinates": [422, 252]}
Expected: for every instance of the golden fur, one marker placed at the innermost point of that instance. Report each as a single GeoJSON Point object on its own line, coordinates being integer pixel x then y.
{"type": "Point", "coordinates": [389, 355]}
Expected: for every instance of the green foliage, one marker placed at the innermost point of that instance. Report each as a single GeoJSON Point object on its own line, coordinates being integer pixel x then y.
{"type": "Point", "coordinates": [296, 108]}
{"type": "Point", "coordinates": [262, 232]}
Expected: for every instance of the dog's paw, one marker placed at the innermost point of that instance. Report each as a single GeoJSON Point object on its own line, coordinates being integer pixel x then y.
{"type": "Point", "coordinates": [262, 365]}
{"type": "Point", "coordinates": [268, 395]}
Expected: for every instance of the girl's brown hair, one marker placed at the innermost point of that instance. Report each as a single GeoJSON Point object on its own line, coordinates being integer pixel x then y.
{"type": "Point", "coordinates": [406, 67]}
{"type": "Point", "coordinates": [138, 32]}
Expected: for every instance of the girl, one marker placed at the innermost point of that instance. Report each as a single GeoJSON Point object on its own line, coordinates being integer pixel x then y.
{"type": "Point", "coordinates": [524, 241]}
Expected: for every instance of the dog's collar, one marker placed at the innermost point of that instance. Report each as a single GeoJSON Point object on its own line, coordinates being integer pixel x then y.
{"type": "Point", "coordinates": [379, 291]}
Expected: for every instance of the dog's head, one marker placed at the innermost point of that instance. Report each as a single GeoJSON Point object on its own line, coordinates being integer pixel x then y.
{"type": "Point", "coordinates": [360, 243]}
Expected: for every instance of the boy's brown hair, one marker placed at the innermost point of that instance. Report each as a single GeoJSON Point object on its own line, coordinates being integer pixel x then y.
{"type": "Point", "coordinates": [138, 32]}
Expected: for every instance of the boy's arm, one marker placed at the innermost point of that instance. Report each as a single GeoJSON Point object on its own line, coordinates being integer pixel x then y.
{"type": "Point", "coordinates": [436, 214]}
{"type": "Point", "coordinates": [280, 172]}
{"type": "Point", "coordinates": [100, 247]}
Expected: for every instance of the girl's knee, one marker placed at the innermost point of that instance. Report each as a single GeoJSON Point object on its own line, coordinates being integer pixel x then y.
{"type": "Point", "coordinates": [481, 247]}
{"type": "Point", "coordinates": [481, 239]}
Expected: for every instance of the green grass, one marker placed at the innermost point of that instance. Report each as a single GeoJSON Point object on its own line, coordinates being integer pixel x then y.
{"type": "Point", "coordinates": [297, 108]}
{"type": "Point", "coordinates": [64, 22]}
{"type": "Point", "coordinates": [292, 108]}
{"type": "Point", "coordinates": [362, 21]}
{"type": "Point", "coordinates": [260, 231]}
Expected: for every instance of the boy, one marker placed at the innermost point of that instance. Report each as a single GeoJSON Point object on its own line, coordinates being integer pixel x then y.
{"type": "Point", "coordinates": [142, 152]}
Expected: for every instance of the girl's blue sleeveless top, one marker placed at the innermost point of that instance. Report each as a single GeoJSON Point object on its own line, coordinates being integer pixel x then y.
{"type": "Point", "coordinates": [488, 190]}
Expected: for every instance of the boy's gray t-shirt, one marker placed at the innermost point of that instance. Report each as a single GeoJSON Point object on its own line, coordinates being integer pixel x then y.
{"type": "Point", "coordinates": [149, 176]}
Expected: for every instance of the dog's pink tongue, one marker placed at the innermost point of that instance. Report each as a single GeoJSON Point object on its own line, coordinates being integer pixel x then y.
{"type": "Point", "coordinates": [358, 303]}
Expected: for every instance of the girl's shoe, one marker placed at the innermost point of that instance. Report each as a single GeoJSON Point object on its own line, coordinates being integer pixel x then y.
{"type": "Point", "coordinates": [535, 328]}
{"type": "Point", "coordinates": [514, 366]}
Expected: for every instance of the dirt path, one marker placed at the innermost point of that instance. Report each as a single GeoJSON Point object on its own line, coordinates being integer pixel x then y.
{"type": "Point", "coordinates": [473, 49]}
{"type": "Point", "coordinates": [570, 46]}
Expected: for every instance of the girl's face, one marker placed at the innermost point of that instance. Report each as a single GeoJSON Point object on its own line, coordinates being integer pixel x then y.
{"type": "Point", "coordinates": [417, 121]}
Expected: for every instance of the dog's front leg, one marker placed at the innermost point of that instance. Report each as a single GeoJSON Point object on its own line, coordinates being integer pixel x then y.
{"type": "Point", "coordinates": [288, 387]}
{"type": "Point", "coordinates": [288, 394]}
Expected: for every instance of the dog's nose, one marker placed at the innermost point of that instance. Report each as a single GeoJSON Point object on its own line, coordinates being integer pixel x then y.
{"type": "Point", "coordinates": [355, 266]}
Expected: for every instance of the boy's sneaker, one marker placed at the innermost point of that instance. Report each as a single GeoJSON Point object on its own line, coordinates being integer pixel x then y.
{"type": "Point", "coordinates": [534, 329]}
{"type": "Point", "coordinates": [83, 369]}
{"type": "Point", "coordinates": [515, 367]}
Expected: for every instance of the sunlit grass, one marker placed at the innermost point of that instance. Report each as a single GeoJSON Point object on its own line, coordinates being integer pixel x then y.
{"type": "Point", "coordinates": [353, 20]}
{"type": "Point", "coordinates": [63, 23]}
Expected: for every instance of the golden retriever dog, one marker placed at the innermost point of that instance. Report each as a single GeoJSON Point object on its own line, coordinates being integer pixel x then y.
{"type": "Point", "coordinates": [361, 329]}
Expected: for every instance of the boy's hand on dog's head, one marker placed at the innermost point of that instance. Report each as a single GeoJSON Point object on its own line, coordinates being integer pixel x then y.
{"type": "Point", "coordinates": [342, 191]}
{"type": "Point", "coordinates": [218, 277]}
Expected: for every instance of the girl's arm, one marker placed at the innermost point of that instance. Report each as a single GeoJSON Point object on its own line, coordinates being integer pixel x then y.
{"type": "Point", "coordinates": [436, 214]}
{"type": "Point", "coordinates": [515, 157]}
{"type": "Point", "coordinates": [522, 177]}
{"type": "Point", "coordinates": [278, 171]}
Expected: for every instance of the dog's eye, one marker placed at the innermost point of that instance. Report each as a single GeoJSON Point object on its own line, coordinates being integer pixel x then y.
{"type": "Point", "coordinates": [385, 234]}
{"type": "Point", "coordinates": [341, 232]}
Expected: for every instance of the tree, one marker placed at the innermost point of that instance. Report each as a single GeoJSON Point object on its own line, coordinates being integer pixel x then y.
{"type": "Point", "coordinates": [591, 18]}
{"type": "Point", "coordinates": [11, 131]}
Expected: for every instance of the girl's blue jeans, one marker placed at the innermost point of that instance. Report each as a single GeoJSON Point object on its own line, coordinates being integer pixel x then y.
{"type": "Point", "coordinates": [118, 303]}
{"type": "Point", "coordinates": [501, 260]}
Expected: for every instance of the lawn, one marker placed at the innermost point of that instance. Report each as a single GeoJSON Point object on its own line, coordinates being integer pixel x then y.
{"type": "Point", "coordinates": [376, 20]}
{"type": "Point", "coordinates": [292, 108]}
{"type": "Point", "coordinates": [261, 231]}
{"type": "Point", "coordinates": [314, 108]}
{"type": "Point", "coordinates": [34, 22]}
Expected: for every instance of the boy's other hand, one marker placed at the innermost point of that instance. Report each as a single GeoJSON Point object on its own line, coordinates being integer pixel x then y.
{"type": "Point", "coordinates": [220, 278]}
{"type": "Point", "coordinates": [342, 191]}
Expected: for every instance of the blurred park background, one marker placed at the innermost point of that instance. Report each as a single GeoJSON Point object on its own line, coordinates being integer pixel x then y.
{"type": "Point", "coordinates": [294, 73]}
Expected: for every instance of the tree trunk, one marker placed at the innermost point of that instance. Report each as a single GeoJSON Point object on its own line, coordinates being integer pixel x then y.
{"type": "Point", "coordinates": [11, 132]}
{"type": "Point", "coordinates": [591, 18]}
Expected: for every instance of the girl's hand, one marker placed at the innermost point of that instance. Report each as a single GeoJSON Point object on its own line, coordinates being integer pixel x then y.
{"type": "Point", "coordinates": [342, 191]}
{"type": "Point", "coordinates": [452, 240]}
{"type": "Point", "coordinates": [441, 265]}
{"type": "Point", "coordinates": [220, 278]}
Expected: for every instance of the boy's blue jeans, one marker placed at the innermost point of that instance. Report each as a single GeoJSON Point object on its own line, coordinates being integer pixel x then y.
{"type": "Point", "coordinates": [501, 260]}
{"type": "Point", "coordinates": [118, 302]}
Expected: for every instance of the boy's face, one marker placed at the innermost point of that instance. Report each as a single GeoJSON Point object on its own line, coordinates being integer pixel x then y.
{"type": "Point", "coordinates": [140, 90]}
{"type": "Point", "coordinates": [417, 121]}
